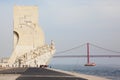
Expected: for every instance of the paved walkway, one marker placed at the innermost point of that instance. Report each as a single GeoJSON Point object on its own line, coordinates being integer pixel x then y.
{"type": "Point", "coordinates": [39, 74]}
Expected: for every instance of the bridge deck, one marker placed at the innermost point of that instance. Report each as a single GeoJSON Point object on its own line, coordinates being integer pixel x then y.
{"type": "Point", "coordinates": [39, 74]}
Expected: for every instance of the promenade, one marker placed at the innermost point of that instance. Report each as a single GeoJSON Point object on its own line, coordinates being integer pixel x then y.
{"type": "Point", "coordinates": [43, 74]}
{"type": "Point", "coordinates": [35, 74]}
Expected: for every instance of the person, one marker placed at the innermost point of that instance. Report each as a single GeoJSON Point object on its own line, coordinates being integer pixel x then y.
{"type": "Point", "coordinates": [52, 44]}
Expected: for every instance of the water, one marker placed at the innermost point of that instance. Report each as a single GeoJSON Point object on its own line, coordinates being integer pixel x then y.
{"type": "Point", "coordinates": [108, 71]}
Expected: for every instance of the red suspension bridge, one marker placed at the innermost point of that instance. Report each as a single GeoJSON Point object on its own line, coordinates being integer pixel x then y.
{"type": "Point", "coordinates": [88, 55]}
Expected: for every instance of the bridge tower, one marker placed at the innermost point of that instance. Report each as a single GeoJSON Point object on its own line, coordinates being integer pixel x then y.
{"type": "Point", "coordinates": [88, 57]}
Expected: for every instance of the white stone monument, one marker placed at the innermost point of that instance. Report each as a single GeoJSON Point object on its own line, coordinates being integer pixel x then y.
{"type": "Point", "coordinates": [29, 42]}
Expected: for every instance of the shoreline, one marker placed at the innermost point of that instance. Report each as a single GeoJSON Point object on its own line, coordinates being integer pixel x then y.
{"type": "Point", "coordinates": [85, 76]}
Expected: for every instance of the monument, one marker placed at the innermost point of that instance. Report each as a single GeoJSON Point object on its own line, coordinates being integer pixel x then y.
{"type": "Point", "coordinates": [30, 48]}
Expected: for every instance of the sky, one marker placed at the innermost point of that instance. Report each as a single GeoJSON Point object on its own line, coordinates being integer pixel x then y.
{"type": "Point", "coordinates": [67, 22]}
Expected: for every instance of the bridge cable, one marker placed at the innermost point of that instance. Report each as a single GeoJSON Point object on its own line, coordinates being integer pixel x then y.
{"type": "Point", "coordinates": [104, 48]}
{"type": "Point", "coordinates": [70, 49]}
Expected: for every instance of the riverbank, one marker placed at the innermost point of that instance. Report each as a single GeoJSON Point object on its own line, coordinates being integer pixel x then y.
{"type": "Point", "coordinates": [88, 77]}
